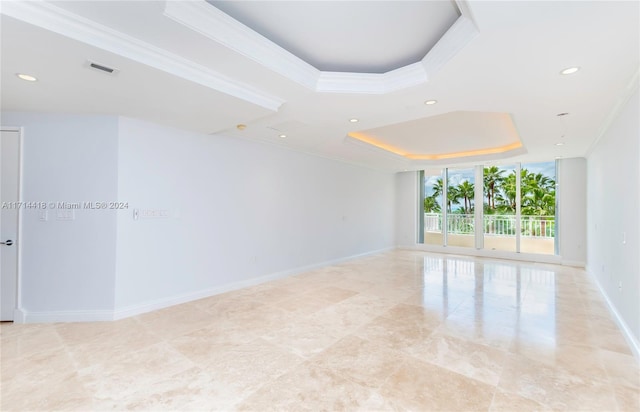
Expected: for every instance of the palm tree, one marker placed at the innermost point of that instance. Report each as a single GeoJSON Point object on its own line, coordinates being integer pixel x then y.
{"type": "Point", "coordinates": [438, 188]}
{"type": "Point", "coordinates": [541, 181]}
{"type": "Point", "coordinates": [506, 194]}
{"type": "Point", "coordinates": [431, 205]}
{"type": "Point", "coordinates": [538, 195]}
{"type": "Point", "coordinates": [466, 190]}
{"type": "Point", "coordinates": [492, 177]}
{"type": "Point", "coordinates": [539, 202]}
{"type": "Point", "coordinates": [453, 197]}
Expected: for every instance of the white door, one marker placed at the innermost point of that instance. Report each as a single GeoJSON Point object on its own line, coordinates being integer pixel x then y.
{"type": "Point", "coordinates": [9, 196]}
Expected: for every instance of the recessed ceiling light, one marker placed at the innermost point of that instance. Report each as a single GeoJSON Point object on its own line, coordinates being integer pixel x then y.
{"type": "Point", "coordinates": [430, 102]}
{"type": "Point", "coordinates": [560, 144]}
{"type": "Point", "coordinates": [26, 77]}
{"type": "Point", "coordinates": [570, 70]}
{"type": "Point", "coordinates": [354, 120]}
{"type": "Point", "coordinates": [282, 136]}
{"type": "Point", "coordinates": [241, 126]}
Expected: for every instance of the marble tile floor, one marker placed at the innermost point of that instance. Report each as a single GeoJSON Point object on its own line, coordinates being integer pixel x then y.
{"type": "Point", "coordinates": [402, 330]}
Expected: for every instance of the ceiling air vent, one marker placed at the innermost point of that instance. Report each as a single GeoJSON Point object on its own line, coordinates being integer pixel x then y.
{"type": "Point", "coordinates": [102, 68]}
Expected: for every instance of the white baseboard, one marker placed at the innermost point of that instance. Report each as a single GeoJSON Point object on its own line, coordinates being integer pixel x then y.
{"type": "Point", "coordinates": [19, 316]}
{"type": "Point", "coordinates": [574, 263]}
{"type": "Point", "coordinates": [24, 316]}
{"type": "Point", "coordinates": [626, 331]}
{"type": "Point", "coordinates": [64, 316]}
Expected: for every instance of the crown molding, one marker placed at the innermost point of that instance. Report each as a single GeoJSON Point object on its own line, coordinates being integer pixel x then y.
{"type": "Point", "coordinates": [455, 39]}
{"type": "Point", "coordinates": [207, 20]}
{"type": "Point", "coordinates": [367, 83]}
{"type": "Point", "coordinates": [339, 82]}
{"type": "Point", "coordinates": [212, 23]}
{"type": "Point", "coordinates": [57, 20]}
{"type": "Point", "coordinates": [404, 77]}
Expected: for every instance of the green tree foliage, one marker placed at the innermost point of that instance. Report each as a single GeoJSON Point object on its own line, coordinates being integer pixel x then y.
{"type": "Point", "coordinates": [466, 190]}
{"type": "Point", "coordinates": [463, 191]}
{"type": "Point", "coordinates": [537, 200]}
{"type": "Point", "coordinates": [453, 196]}
{"type": "Point", "coordinates": [492, 178]}
{"type": "Point", "coordinates": [537, 194]}
{"type": "Point", "coordinates": [431, 205]}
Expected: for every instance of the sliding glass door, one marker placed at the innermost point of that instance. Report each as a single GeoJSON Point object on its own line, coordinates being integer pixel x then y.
{"type": "Point", "coordinates": [538, 194]}
{"type": "Point", "coordinates": [432, 203]}
{"type": "Point", "coordinates": [460, 208]}
{"type": "Point", "coordinates": [499, 222]}
{"type": "Point", "coordinates": [517, 214]}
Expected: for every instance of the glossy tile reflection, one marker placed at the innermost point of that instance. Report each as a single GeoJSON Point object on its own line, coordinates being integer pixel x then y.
{"type": "Point", "coordinates": [402, 330]}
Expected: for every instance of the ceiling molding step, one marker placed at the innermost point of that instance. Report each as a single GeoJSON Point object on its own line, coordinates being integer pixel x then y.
{"type": "Point", "coordinates": [207, 20]}
{"type": "Point", "coordinates": [465, 10]}
{"type": "Point", "coordinates": [404, 77]}
{"type": "Point", "coordinates": [386, 153]}
{"type": "Point", "coordinates": [372, 83]}
{"type": "Point", "coordinates": [76, 27]}
{"type": "Point", "coordinates": [468, 160]}
{"type": "Point", "coordinates": [455, 39]}
{"type": "Point", "coordinates": [339, 82]}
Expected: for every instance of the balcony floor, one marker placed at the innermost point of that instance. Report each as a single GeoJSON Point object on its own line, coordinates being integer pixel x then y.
{"type": "Point", "coordinates": [505, 243]}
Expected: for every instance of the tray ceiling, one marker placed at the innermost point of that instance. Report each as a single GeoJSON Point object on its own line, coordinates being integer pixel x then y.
{"type": "Point", "coordinates": [349, 36]}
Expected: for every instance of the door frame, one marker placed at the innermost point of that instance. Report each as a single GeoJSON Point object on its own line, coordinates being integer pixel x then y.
{"type": "Point", "coordinates": [18, 313]}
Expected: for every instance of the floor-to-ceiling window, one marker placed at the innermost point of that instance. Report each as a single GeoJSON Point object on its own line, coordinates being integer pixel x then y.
{"type": "Point", "coordinates": [538, 210]}
{"type": "Point", "coordinates": [499, 208]}
{"type": "Point", "coordinates": [432, 204]}
{"type": "Point", "coordinates": [460, 208]}
{"type": "Point", "coordinates": [517, 214]}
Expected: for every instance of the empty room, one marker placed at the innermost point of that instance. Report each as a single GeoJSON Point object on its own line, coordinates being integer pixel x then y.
{"type": "Point", "coordinates": [320, 205]}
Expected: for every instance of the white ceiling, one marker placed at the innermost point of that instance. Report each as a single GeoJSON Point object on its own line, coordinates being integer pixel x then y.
{"type": "Point", "coordinates": [464, 133]}
{"type": "Point", "coordinates": [198, 70]}
{"type": "Point", "coordinates": [349, 36]}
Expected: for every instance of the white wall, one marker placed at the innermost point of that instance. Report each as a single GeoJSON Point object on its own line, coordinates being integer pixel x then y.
{"type": "Point", "coordinates": [406, 207]}
{"type": "Point", "coordinates": [613, 209]}
{"type": "Point", "coordinates": [572, 215]}
{"type": "Point", "coordinates": [68, 265]}
{"type": "Point", "coordinates": [239, 210]}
